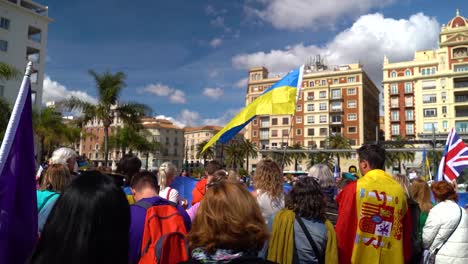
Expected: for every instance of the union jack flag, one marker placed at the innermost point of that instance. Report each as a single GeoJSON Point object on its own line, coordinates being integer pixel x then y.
{"type": "Point", "coordinates": [455, 158]}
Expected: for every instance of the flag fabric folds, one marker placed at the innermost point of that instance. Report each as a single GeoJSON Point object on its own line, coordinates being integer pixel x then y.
{"type": "Point", "coordinates": [454, 159]}
{"type": "Point", "coordinates": [18, 206]}
{"type": "Point", "coordinates": [426, 166]}
{"type": "Point", "coordinates": [279, 99]}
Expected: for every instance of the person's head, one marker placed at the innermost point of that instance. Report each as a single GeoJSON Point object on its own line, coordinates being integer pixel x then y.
{"type": "Point", "coordinates": [306, 199]}
{"type": "Point", "coordinates": [269, 178]}
{"type": "Point", "coordinates": [128, 165]}
{"type": "Point", "coordinates": [323, 174]}
{"type": "Point", "coordinates": [211, 167]}
{"type": "Point", "coordinates": [404, 182]}
{"type": "Point", "coordinates": [65, 156]}
{"type": "Point", "coordinates": [56, 178]}
{"type": "Point", "coordinates": [228, 218]}
{"type": "Point", "coordinates": [88, 224]}
{"type": "Point", "coordinates": [144, 184]}
{"type": "Point", "coordinates": [167, 172]}
{"type": "Point", "coordinates": [444, 191]}
{"type": "Point", "coordinates": [421, 193]}
{"type": "Point", "coordinates": [371, 156]}
{"type": "Point", "coordinates": [233, 176]}
{"type": "Point", "coordinates": [183, 173]}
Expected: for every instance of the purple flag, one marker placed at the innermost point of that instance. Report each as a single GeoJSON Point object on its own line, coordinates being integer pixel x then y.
{"type": "Point", "coordinates": [18, 205]}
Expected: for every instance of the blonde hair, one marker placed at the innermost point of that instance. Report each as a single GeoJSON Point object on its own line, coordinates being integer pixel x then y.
{"type": "Point", "coordinates": [404, 182]}
{"type": "Point", "coordinates": [421, 194]}
{"type": "Point", "coordinates": [233, 176]}
{"type": "Point", "coordinates": [56, 178]}
{"type": "Point", "coordinates": [167, 170]}
{"type": "Point", "coordinates": [269, 178]}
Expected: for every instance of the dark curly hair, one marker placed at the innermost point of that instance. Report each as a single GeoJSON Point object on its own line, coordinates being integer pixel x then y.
{"type": "Point", "coordinates": [306, 199]}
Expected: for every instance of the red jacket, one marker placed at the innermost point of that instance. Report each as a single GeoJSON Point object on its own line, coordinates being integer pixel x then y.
{"type": "Point", "coordinates": [199, 191]}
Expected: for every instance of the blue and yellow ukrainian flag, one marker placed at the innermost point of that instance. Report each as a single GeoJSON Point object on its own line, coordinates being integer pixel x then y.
{"type": "Point", "coordinates": [279, 99]}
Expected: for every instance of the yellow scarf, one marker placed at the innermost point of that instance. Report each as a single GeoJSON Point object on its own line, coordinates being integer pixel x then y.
{"type": "Point", "coordinates": [380, 206]}
{"type": "Point", "coordinates": [281, 244]}
{"type": "Point", "coordinates": [331, 252]}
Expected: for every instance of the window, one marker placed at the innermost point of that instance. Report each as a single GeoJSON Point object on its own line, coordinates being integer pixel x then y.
{"type": "Point", "coordinates": [336, 118]}
{"type": "Point", "coordinates": [298, 132]}
{"type": "Point", "coordinates": [443, 95]}
{"type": "Point", "coordinates": [351, 91]}
{"type": "Point", "coordinates": [460, 52]}
{"type": "Point", "coordinates": [5, 23]}
{"type": "Point", "coordinates": [393, 74]}
{"type": "Point", "coordinates": [310, 131]}
{"type": "Point", "coordinates": [407, 73]}
{"type": "Point", "coordinates": [3, 45]}
{"type": "Point", "coordinates": [430, 112]}
{"type": "Point", "coordinates": [429, 98]}
{"type": "Point", "coordinates": [323, 118]}
{"type": "Point", "coordinates": [96, 155]}
{"type": "Point", "coordinates": [444, 109]}
{"type": "Point", "coordinates": [274, 145]}
{"type": "Point", "coordinates": [352, 129]}
{"type": "Point", "coordinates": [408, 88]}
{"type": "Point", "coordinates": [428, 126]}
{"type": "Point", "coordinates": [255, 88]}
{"type": "Point", "coordinates": [274, 121]}
{"type": "Point", "coordinates": [299, 108]}
{"type": "Point", "coordinates": [336, 106]}
{"type": "Point", "coordinates": [284, 132]}
{"type": "Point", "coordinates": [324, 82]}
{"type": "Point", "coordinates": [335, 81]}
{"type": "Point", "coordinates": [461, 68]}
{"type": "Point", "coordinates": [409, 115]}
{"type": "Point", "coordinates": [310, 95]}
{"type": "Point", "coordinates": [323, 106]}
{"type": "Point", "coordinates": [310, 107]}
{"type": "Point", "coordinates": [433, 70]}
{"type": "Point", "coordinates": [423, 72]}
{"type": "Point", "coordinates": [336, 93]}
{"type": "Point", "coordinates": [274, 133]}
{"type": "Point", "coordinates": [323, 94]}
{"type": "Point", "coordinates": [323, 143]}
{"type": "Point", "coordinates": [299, 119]}
{"type": "Point", "coordinates": [408, 101]}
{"type": "Point", "coordinates": [395, 130]}
{"type": "Point", "coordinates": [393, 88]}
{"type": "Point", "coordinates": [445, 124]}
{"type": "Point", "coordinates": [311, 83]}
{"type": "Point", "coordinates": [310, 119]}
{"type": "Point", "coordinates": [352, 104]}
{"type": "Point", "coordinates": [410, 129]}
{"type": "Point", "coordinates": [311, 144]}
{"type": "Point", "coordinates": [395, 115]}
{"type": "Point", "coordinates": [429, 84]}
{"type": "Point", "coordinates": [285, 121]}
{"type": "Point", "coordinates": [255, 133]}
{"type": "Point", "coordinates": [351, 79]}
{"type": "Point", "coordinates": [352, 117]}
{"type": "Point", "coordinates": [442, 82]}
{"type": "Point", "coordinates": [323, 131]}
{"type": "Point", "coordinates": [255, 122]}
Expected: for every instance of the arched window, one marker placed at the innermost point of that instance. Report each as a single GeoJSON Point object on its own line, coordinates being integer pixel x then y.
{"type": "Point", "coordinates": [460, 52]}
{"type": "Point", "coordinates": [393, 74]}
{"type": "Point", "coordinates": [407, 73]}
{"type": "Point", "coordinates": [423, 72]}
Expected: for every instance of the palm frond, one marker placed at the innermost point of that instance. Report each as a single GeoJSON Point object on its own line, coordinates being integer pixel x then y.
{"type": "Point", "coordinates": [8, 72]}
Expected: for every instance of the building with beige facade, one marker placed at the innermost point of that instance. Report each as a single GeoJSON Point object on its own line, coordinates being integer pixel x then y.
{"type": "Point", "coordinates": [429, 93]}
{"type": "Point", "coordinates": [23, 38]}
{"type": "Point", "coordinates": [340, 99]}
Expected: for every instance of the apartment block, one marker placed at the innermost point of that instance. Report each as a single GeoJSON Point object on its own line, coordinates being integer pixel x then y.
{"type": "Point", "coordinates": [430, 93]}
{"type": "Point", "coordinates": [340, 99]}
{"type": "Point", "coordinates": [23, 38]}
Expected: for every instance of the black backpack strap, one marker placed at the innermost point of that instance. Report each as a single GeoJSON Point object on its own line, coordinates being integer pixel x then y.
{"type": "Point", "coordinates": [46, 200]}
{"type": "Point", "coordinates": [311, 240]}
{"type": "Point", "coordinates": [143, 204]}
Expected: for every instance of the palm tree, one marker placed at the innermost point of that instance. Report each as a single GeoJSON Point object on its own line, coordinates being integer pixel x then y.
{"type": "Point", "coordinates": [207, 154]}
{"type": "Point", "coordinates": [297, 156]}
{"type": "Point", "coordinates": [5, 113]}
{"type": "Point", "coordinates": [392, 157]}
{"type": "Point", "coordinates": [109, 88]}
{"type": "Point", "coordinates": [338, 141]}
{"type": "Point", "coordinates": [320, 157]}
{"type": "Point", "coordinates": [281, 158]}
{"type": "Point", "coordinates": [249, 150]}
{"type": "Point", "coordinates": [8, 72]}
{"type": "Point", "coordinates": [234, 155]}
{"type": "Point", "coordinates": [145, 146]}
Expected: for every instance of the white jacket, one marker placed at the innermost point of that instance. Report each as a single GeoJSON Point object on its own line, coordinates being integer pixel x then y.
{"type": "Point", "coordinates": [442, 219]}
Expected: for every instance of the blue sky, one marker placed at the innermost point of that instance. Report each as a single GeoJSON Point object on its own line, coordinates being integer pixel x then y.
{"type": "Point", "coordinates": [187, 59]}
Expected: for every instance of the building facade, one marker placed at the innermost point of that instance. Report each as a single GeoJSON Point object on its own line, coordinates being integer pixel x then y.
{"type": "Point", "coordinates": [196, 135]}
{"type": "Point", "coordinates": [23, 38]}
{"type": "Point", "coordinates": [430, 93]}
{"type": "Point", "coordinates": [339, 99]}
{"type": "Point", "coordinates": [169, 136]}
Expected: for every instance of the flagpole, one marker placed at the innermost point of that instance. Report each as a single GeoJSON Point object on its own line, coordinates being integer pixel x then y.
{"type": "Point", "coordinates": [14, 118]}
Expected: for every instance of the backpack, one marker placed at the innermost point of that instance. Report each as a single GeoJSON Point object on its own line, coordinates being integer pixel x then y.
{"type": "Point", "coordinates": [164, 236]}
{"type": "Point", "coordinates": [416, 242]}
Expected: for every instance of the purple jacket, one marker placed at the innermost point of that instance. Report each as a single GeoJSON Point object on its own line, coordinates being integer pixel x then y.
{"type": "Point", "coordinates": [137, 224]}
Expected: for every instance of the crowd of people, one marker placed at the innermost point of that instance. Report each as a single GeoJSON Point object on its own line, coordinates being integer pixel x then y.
{"type": "Point", "coordinates": [138, 217]}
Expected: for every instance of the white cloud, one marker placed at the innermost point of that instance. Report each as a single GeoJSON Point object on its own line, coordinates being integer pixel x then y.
{"type": "Point", "coordinates": [218, 22]}
{"type": "Point", "coordinates": [366, 41]}
{"type": "Point", "coordinates": [213, 73]}
{"type": "Point", "coordinates": [223, 119]}
{"type": "Point", "coordinates": [174, 121]}
{"type": "Point", "coordinates": [214, 93]}
{"type": "Point", "coordinates": [189, 118]}
{"type": "Point", "coordinates": [216, 42]}
{"type": "Point", "coordinates": [54, 91]}
{"type": "Point", "coordinates": [210, 10]}
{"type": "Point", "coordinates": [242, 83]}
{"type": "Point", "coordinates": [176, 96]}
{"type": "Point", "coordinates": [301, 14]}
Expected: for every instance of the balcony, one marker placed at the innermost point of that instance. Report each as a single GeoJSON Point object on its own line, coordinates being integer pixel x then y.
{"type": "Point", "coordinates": [336, 109]}
{"type": "Point", "coordinates": [310, 97]}
{"type": "Point", "coordinates": [409, 105]}
{"type": "Point", "coordinates": [394, 106]}
{"type": "Point", "coordinates": [336, 98]}
{"type": "Point", "coordinates": [461, 97]}
{"type": "Point", "coordinates": [395, 120]}
{"type": "Point", "coordinates": [461, 83]}
{"type": "Point", "coordinates": [461, 127]}
{"type": "Point", "coordinates": [461, 111]}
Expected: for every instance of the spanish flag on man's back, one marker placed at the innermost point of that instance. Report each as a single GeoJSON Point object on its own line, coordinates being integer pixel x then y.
{"type": "Point", "coordinates": [279, 99]}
